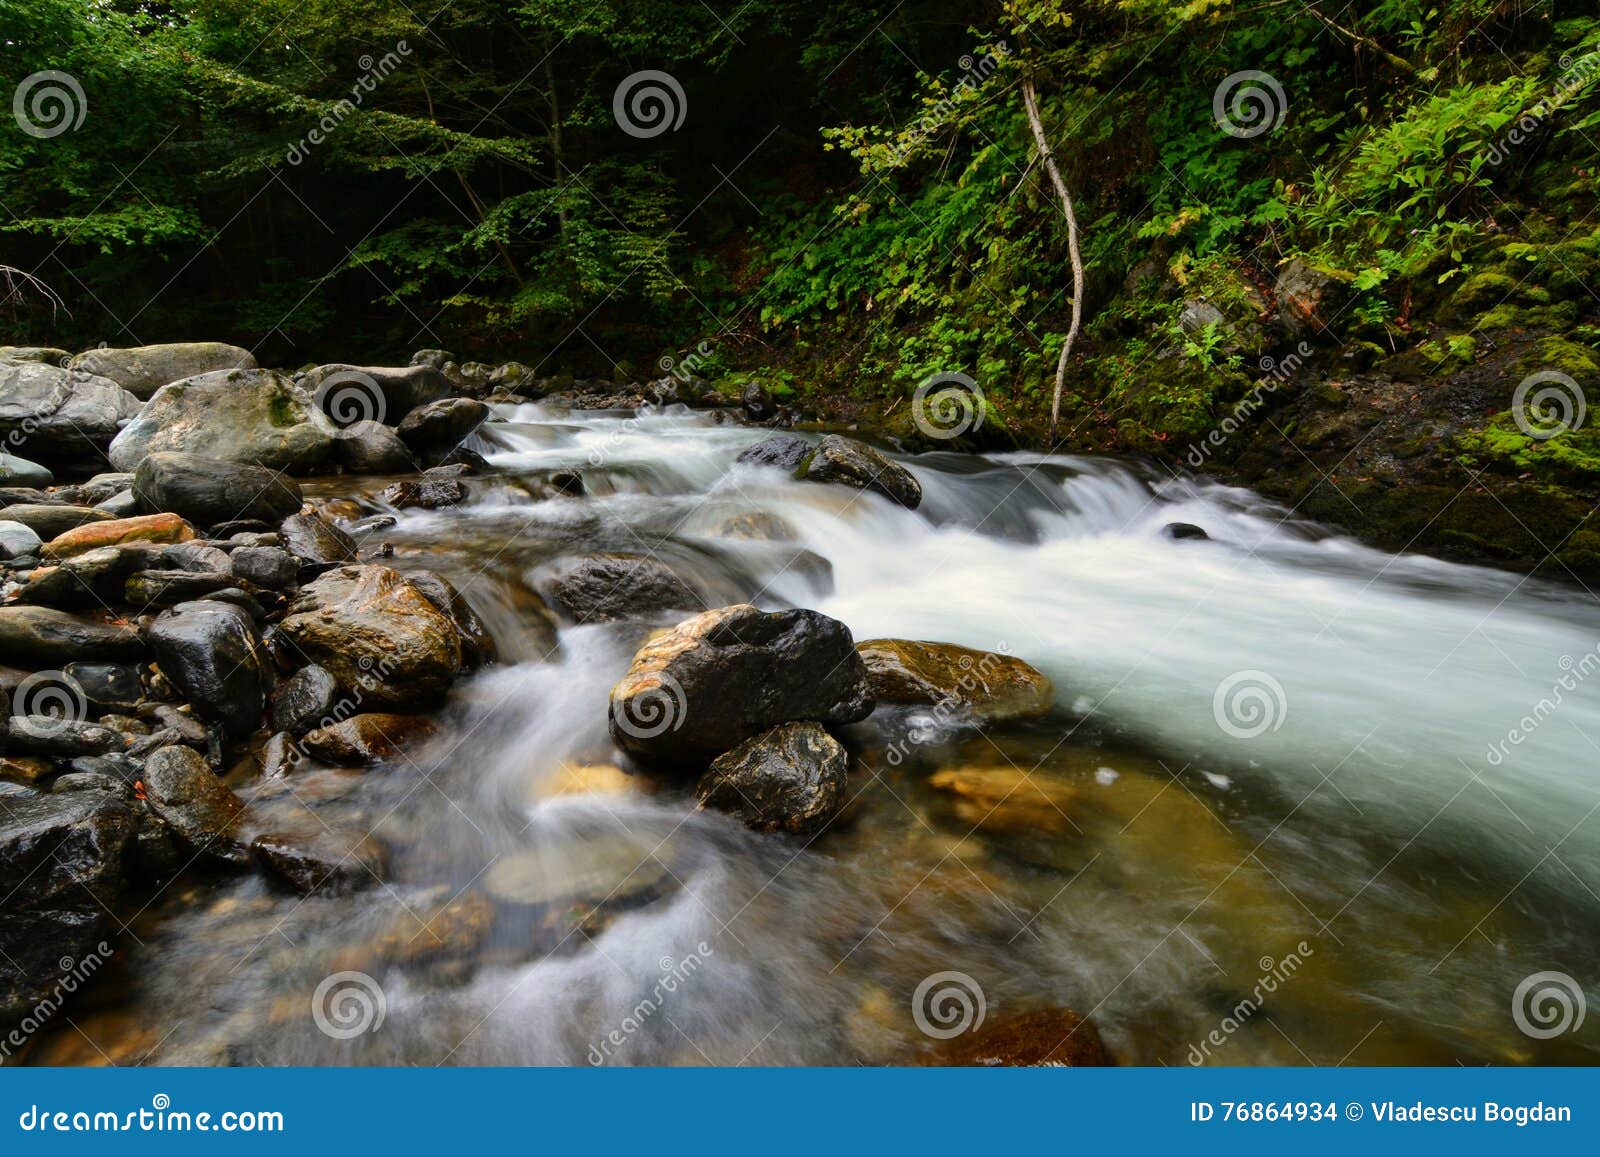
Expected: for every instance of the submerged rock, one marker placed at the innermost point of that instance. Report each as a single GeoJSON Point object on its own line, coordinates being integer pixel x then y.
{"type": "Point", "coordinates": [980, 685]}
{"type": "Point", "coordinates": [304, 700]}
{"type": "Point", "coordinates": [1056, 1037]}
{"type": "Point", "coordinates": [366, 738]}
{"type": "Point", "coordinates": [383, 641]}
{"type": "Point", "coordinates": [723, 676]}
{"type": "Point", "coordinates": [212, 490]}
{"type": "Point", "coordinates": [1008, 799]}
{"type": "Point", "coordinates": [604, 588]}
{"type": "Point", "coordinates": [327, 862]}
{"type": "Point", "coordinates": [427, 493]}
{"type": "Point", "coordinates": [791, 779]}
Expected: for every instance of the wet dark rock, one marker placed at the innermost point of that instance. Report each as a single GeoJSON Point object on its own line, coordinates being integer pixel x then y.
{"type": "Point", "coordinates": [721, 677]}
{"type": "Point", "coordinates": [142, 370]}
{"type": "Point", "coordinates": [316, 542]}
{"type": "Point", "coordinates": [62, 872]}
{"type": "Point", "coordinates": [265, 566]}
{"type": "Point", "coordinates": [1182, 530]}
{"type": "Point", "coordinates": [59, 737]}
{"type": "Point", "coordinates": [278, 755]}
{"type": "Point", "coordinates": [107, 686]}
{"type": "Point", "coordinates": [91, 580]}
{"type": "Point", "coordinates": [756, 401]}
{"type": "Point", "coordinates": [568, 483]}
{"type": "Point", "coordinates": [379, 636]}
{"type": "Point", "coordinates": [365, 738]}
{"type": "Point", "coordinates": [203, 814]}
{"type": "Point", "coordinates": [326, 862]}
{"type": "Point", "coordinates": [47, 521]}
{"type": "Point", "coordinates": [212, 654]}
{"type": "Point", "coordinates": [791, 779]}
{"type": "Point", "coordinates": [176, 719]}
{"type": "Point", "coordinates": [370, 447]}
{"type": "Point", "coordinates": [209, 490]}
{"type": "Point", "coordinates": [88, 781]}
{"type": "Point", "coordinates": [255, 417]}
{"type": "Point", "coordinates": [64, 418]}
{"type": "Point", "coordinates": [107, 485]}
{"type": "Point", "coordinates": [781, 450]}
{"type": "Point", "coordinates": [250, 603]}
{"type": "Point", "coordinates": [442, 424]}
{"type": "Point", "coordinates": [477, 645]}
{"type": "Point", "coordinates": [45, 637]}
{"type": "Point", "coordinates": [983, 686]}
{"type": "Point", "coordinates": [603, 588]}
{"type": "Point", "coordinates": [200, 557]}
{"type": "Point", "coordinates": [304, 700]}
{"type": "Point", "coordinates": [471, 460]}
{"type": "Point", "coordinates": [168, 588]}
{"type": "Point", "coordinates": [851, 463]}
{"type": "Point", "coordinates": [427, 493]}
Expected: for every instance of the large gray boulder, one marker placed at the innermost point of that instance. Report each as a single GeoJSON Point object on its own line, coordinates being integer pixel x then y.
{"type": "Point", "coordinates": [723, 676]}
{"type": "Point", "coordinates": [142, 370]}
{"type": "Point", "coordinates": [63, 870]}
{"type": "Point", "coordinates": [60, 417]}
{"type": "Point", "coordinates": [255, 417]}
{"type": "Point", "coordinates": [208, 490]}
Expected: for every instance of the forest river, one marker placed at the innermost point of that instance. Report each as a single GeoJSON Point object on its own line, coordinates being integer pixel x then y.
{"type": "Point", "coordinates": [1299, 801]}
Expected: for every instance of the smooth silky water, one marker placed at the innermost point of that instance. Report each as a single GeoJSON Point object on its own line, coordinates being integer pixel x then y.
{"type": "Point", "coordinates": [1381, 849]}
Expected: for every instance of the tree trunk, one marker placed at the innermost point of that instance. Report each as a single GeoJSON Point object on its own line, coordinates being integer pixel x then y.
{"type": "Point", "coordinates": [1047, 155]}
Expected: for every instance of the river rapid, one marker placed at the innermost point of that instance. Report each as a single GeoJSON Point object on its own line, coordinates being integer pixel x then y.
{"type": "Point", "coordinates": [1299, 801]}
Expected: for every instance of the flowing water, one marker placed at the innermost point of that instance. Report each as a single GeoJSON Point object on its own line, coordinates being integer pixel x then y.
{"type": "Point", "coordinates": [1300, 801]}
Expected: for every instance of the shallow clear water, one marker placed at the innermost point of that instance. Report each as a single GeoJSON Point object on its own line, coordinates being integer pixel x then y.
{"type": "Point", "coordinates": [1284, 769]}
